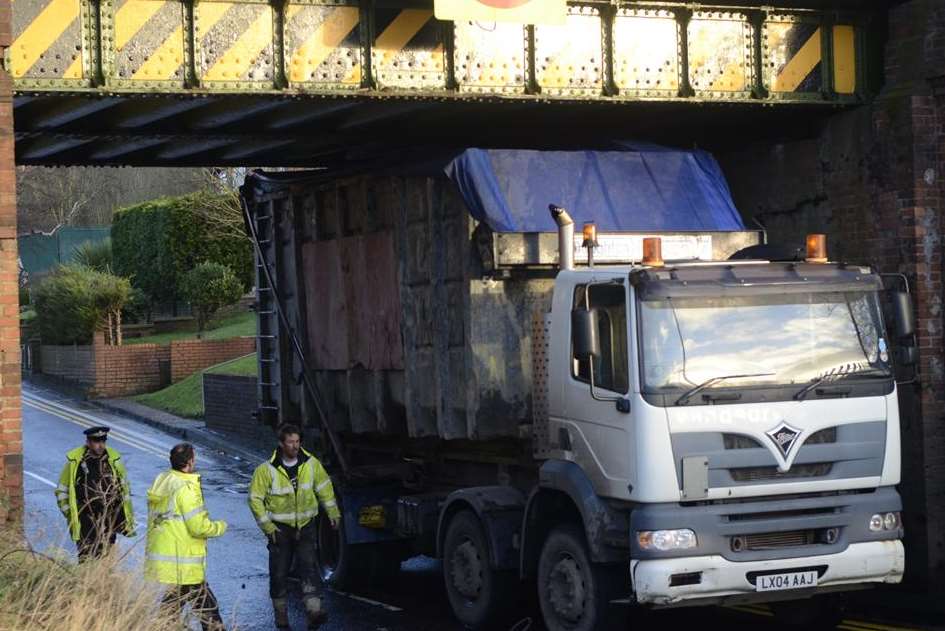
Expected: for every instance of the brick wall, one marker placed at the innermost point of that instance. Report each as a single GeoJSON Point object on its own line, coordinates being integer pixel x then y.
{"type": "Point", "coordinates": [120, 371]}
{"type": "Point", "coordinates": [11, 445]}
{"type": "Point", "coordinates": [189, 356]}
{"type": "Point", "coordinates": [229, 402]}
{"type": "Point", "coordinates": [873, 179]}
{"type": "Point", "coordinates": [72, 363]}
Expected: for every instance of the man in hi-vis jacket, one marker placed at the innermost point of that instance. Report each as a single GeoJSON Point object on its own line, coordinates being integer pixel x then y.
{"type": "Point", "coordinates": [284, 497]}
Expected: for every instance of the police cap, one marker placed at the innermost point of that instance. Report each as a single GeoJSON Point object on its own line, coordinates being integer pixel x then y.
{"type": "Point", "coordinates": [97, 433]}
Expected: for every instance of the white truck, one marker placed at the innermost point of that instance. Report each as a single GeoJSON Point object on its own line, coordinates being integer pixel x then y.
{"type": "Point", "coordinates": [666, 433]}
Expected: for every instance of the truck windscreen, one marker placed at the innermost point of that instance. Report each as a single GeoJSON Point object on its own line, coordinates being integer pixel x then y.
{"type": "Point", "coordinates": [765, 340]}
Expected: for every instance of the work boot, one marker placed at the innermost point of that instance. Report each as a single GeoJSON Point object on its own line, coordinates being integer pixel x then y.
{"type": "Point", "coordinates": [313, 610]}
{"type": "Point", "coordinates": [280, 609]}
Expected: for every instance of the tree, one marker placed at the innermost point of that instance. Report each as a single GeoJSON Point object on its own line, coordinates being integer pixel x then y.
{"type": "Point", "coordinates": [155, 243]}
{"type": "Point", "coordinates": [208, 287]}
{"type": "Point", "coordinates": [94, 255]}
{"type": "Point", "coordinates": [74, 302]}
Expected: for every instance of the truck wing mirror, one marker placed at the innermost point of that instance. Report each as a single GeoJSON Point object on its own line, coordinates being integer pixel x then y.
{"type": "Point", "coordinates": [584, 335]}
{"type": "Point", "coordinates": [903, 313]}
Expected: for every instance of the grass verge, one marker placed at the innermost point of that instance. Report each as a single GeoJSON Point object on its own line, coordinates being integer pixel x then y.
{"type": "Point", "coordinates": [39, 591]}
{"type": "Point", "coordinates": [185, 398]}
{"type": "Point", "coordinates": [239, 325]}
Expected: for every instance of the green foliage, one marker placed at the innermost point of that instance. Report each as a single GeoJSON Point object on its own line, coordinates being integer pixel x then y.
{"type": "Point", "coordinates": [95, 255]}
{"type": "Point", "coordinates": [75, 301]}
{"type": "Point", "coordinates": [245, 366]}
{"type": "Point", "coordinates": [157, 242]}
{"type": "Point", "coordinates": [208, 287]}
{"type": "Point", "coordinates": [221, 328]}
{"type": "Point", "coordinates": [184, 398]}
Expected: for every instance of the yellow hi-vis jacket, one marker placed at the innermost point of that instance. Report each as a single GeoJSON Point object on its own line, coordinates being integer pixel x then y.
{"type": "Point", "coordinates": [178, 529]}
{"type": "Point", "coordinates": [66, 493]}
{"type": "Point", "coordinates": [273, 500]}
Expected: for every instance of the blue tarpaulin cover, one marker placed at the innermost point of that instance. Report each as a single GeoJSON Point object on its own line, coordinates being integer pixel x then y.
{"type": "Point", "coordinates": [637, 189]}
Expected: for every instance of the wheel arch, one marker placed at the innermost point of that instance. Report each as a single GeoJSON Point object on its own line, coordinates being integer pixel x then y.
{"type": "Point", "coordinates": [566, 495]}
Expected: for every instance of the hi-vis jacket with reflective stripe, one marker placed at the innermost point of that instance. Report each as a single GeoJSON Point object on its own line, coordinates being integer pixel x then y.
{"type": "Point", "coordinates": [66, 493]}
{"type": "Point", "coordinates": [273, 500]}
{"type": "Point", "coordinates": [178, 529]}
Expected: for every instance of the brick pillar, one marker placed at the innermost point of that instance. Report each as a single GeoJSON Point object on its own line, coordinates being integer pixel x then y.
{"type": "Point", "coordinates": [11, 445]}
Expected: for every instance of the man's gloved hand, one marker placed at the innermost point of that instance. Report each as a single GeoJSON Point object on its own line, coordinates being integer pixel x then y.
{"type": "Point", "coordinates": [334, 522]}
{"type": "Point", "coordinates": [272, 535]}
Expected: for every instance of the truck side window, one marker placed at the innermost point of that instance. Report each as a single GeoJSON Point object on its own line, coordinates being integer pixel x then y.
{"type": "Point", "coordinates": [611, 369]}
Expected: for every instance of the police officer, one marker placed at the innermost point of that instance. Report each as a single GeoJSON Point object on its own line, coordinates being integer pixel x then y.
{"type": "Point", "coordinates": [284, 497]}
{"type": "Point", "coordinates": [94, 495]}
{"type": "Point", "coordinates": [178, 529]}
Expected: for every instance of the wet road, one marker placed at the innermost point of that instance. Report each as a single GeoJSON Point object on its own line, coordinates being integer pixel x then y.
{"type": "Point", "coordinates": [238, 561]}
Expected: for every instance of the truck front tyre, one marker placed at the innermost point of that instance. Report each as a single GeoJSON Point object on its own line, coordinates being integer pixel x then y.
{"type": "Point", "coordinates": [478, 594]}
{"type": "Point", "coordinates": [574, 593]}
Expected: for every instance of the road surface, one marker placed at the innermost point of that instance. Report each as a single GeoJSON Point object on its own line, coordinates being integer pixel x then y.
{"type": "Point", "coordinates": [237, 570]}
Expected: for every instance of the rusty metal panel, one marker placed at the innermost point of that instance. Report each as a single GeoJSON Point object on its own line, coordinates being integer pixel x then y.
{"type": "Point", "coordinates": [569, 59]}
{"type": "Point", "coordinates": [235, 44]}
{"type": "Point", "coordinates": [490, 57]}
{"type": "Point", "coordinates": [323, 46]}
{"type": "Point", "coordinates": [47, 49]}
{"type": "Point", "coordinates": [408, 51]}
{"type": "Point", "coordinates": [327, 307]}
{"type": "Point", "coordinates": [148, 44]}
{"type": "Point", "coordinates": [646, 52]}
{"type": "Point", "coordinates": [720, 54]}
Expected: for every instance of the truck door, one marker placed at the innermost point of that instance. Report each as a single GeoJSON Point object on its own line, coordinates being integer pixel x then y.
{"type": "Point", "coordinates": [595, 425]}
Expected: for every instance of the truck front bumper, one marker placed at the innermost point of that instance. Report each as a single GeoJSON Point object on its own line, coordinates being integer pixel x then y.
{"type": "Point", "coordinates": [712, 579]}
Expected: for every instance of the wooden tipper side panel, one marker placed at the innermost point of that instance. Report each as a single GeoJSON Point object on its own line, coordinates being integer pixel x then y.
{"type": "Point", "coordinates": [404, 333]}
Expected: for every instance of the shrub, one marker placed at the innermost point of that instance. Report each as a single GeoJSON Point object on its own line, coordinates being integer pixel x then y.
{"type": "Point", "coordinates": [74, 301]}
{"type": "Point", "coordinates": [208, 287]}
{"type": "Point", "coordinates": [157, 242]}
{"type": "Point", "coordinates": [95, 255]}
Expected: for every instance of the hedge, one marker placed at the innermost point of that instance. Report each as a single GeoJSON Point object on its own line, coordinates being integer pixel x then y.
{"type": "Point", "coordinates": [155, 243]}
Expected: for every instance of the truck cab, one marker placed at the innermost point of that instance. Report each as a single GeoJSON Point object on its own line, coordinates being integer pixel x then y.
{"type": "Point", "coordinates": [743, 413]}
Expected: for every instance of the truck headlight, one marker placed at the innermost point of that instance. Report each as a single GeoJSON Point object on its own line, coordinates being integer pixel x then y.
{"type": "Point", "coordinates": [887, 521]}
{"type": "Point", "coordinates": [890, 521]}
{"type": "Point", "coordinates": [666, 539]}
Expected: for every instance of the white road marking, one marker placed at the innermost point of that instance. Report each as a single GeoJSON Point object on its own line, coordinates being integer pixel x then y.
{"type": "Point", "coordinates": [98, 421]}
{"type": "Point", "coordinates": [366, 600]}
{"type": "Point", "coordinates": [41, 479]}
{"type": "Point", "coordinates": [117, 435]}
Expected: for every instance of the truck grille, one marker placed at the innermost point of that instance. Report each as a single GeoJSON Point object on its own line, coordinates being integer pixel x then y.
{"type": "Point", "coordinates": [755, 474]}
{"type": "Point", "coordinates": [774, 540]}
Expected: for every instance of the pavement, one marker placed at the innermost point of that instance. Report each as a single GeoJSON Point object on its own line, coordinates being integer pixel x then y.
{"type": "Point", "coordinates": [417, 601]}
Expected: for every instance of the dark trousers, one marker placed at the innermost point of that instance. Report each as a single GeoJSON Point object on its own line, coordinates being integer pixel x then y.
{"type": "Point", "coordinates": [298, 544]}
{"type": "Point", "coordinates": [96, 536]}
{"type": "Point", "coordinates": [202, 602]}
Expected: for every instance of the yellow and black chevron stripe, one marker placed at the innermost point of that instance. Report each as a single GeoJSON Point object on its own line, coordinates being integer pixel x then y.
{"type": "Point", "coordinates": [793, 57]}
{"type": "Point", "coordinates": [148, 42]}
{"type": "Point", "coordinates": [47, 41]}
{"type": "Point", "coordinates": [235, 44]}
{"type": "Point", "coordinates": [322, 45]}
{"type": "Point", "coordinates": [408, 51]}
{"type": "Point", "coordinates": [720, 52]}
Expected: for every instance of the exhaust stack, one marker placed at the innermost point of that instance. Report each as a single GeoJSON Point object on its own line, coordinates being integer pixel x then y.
{"type": "Point", "coordinates": [565, 236]}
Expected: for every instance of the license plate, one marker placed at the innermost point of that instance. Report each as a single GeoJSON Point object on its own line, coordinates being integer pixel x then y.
{"type": "Point", "coordinates": [786, 580]}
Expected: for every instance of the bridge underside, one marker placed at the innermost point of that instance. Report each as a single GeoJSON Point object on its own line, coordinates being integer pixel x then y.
{"type": "Point", "coordinates": [272, 131]}
{"type": "Point", "coordinates": [172, 82]}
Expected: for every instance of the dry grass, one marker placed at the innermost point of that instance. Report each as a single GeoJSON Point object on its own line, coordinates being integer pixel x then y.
{"type": "Point", "coordinates": [50, 591]}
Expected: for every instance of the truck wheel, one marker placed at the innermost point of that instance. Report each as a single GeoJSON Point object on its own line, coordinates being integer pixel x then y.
{"type": "Point", "coordinates": [574, 594]}
{"type": "Point", "coordinates": [345, 566]}
{"type": "Point", "coordinates": [479, 595]}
